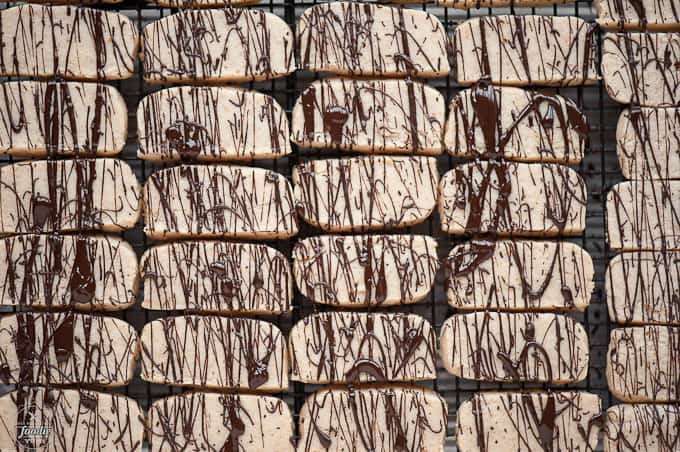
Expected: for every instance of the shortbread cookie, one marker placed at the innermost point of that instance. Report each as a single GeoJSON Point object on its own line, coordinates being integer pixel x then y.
{"type": "Point", "coordinates": [65, 420]}
{"type": "Point", "coordinates": [525, 50]}
{"type": "Point", "coordinates": [373, 419]}
{"type": "Point", "coordinates": [211, 124]}
{"type": "Point", "coordinates": [511, 123]}
{"type": "Point", "coordinates": [519, 275]}
{"type": "Point", "coordinates": [476, 4]}
{"type": "Point", "coordinates": [636, 68]}
{"type": "Point", "coordinates": [642, 428]}
{"type": "Point", "coordinates": [643, 364]}
{"type": "Point", "coordinates": [68, 195]}
{"type": "Point", "coordinates": [512, 199]}
{"type": "Point", "coordinates": [186, 4]}
{"type": "Point", "coordinates": [502, 346]}
{"type": "Point", "coordinates": [67, 42]}
{"type": "Point", "coordinates": [215, 352]}
{"type": "Point", "coordinates": [372, 116]}
{"type": "Point", "coordinates": [66, 348]}
{"type": "Point", "coordinates": [642, 287]}
{"type": "Point", "coordinates": [530, 421]}
{"type": "Point", "coordinates": [638, 14]}
{"type": "Point", "coordinates": [365, 270]}
{"type": "Point", "coordinates": [647, 143]}
{"type": "Point", "coordinates": [218, 201]}
{"type": "Point", "coordinates": [61, 118]}
{"type": "Point", "coordinates": [371, 40]}
{"type": "Point", "coordinates": [366, 193]}
{"type": "Point", "coordinates": [53, 271]}
{"type": "Point", "coordinates": [217, 45]}
{"type": "Point", "coordinates": [644, 215]}
{"type": "Point", "coordinates": [357, 347]}
{"type": "Point", "coordinates": [217, 277]}
{"type": "Point", "coordinates": [220, 422]}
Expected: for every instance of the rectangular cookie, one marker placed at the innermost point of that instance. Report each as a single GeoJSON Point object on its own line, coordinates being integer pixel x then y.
{"type": "Point", "coordinates": [515, 347]}
{"type": "Point", "coordinates": [217, 45]}
{"type": "Point", "coordinates": [202, 201]}
{"type": "Point", "coordinates": [525, 50]}
{"type": "Point", "coordinates": [642, 287]}
{"type": "Point", "coordinates": [217, 277]}
{"type": "Point", "coordinates": [476, 4]}
{"type": "Point", "coordinates": [643, 364]}
{"type": "Point", "coordinates": [66, 420]}
{"type": "Point", "coordinates": [652, 15]}
{"type": "Point", "coordinates": [360, 39]}
{"type": "Point", "coordinates": [492, 122]}
{"type": "Point", "coordinates": [373, 419]}
{"type": "Point", "coordinates": [519, 275]}
{"type": "Point", "coordinates": [362, 194]}
{"type": "Point", "coordinates": [507, 198]}
{"type": "Point", "coordinates": [636, 68]}
{"type": "Point", "coordinates": [647, 143]}
{"type": "Point", "coordinates": [371, 116]}
{"type": "Point", "coordinates": [66, 42]}
{"type": "Point", "coordinates": [66, 348]}
{"type": "Point", "coordinates": [220, 422]}
{"type": "Point", "coordinates": [187, 4]}
{"type": "Point", "coordinates": [61, 118]}
{"type": "Point", "coordinates": [56, 272]}
{"type": "Point", "coordinates": [644, 215]}
{"type": "Point", "coordinates": [365, 270]}
{"type": "Point", "coordinates": [211, 352]}
{"type": "Point", "coordinates": [357, 347]}
{"type": "Point", "coordinates": [642, 428]}
{"type": "Point", "coordinates": [68, 195]}
{"type": "Point", "coordinates": [540, 421]}
{"type": "Point", "coordinates": [200, 123]}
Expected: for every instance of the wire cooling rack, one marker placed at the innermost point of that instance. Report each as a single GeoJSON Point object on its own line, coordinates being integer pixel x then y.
{"type": "Point", "coordinates": [599, 169]}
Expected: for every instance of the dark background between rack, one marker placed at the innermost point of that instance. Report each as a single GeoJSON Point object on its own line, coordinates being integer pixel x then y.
{"type": "Point", "coordinates": [599, 169]}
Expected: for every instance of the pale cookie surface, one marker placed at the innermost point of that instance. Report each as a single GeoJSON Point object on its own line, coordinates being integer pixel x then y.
{"type": "Point", "coordinates": [183, 4]}
{"type": "Point", "coordinates": [365, 270]}
{"type": "Point", "coordinates": [218, 201]}
{"type": "Point", "coordinates": [643, 364]}
{"type": "Point", "coordinates": [61, 118]}
{"type": "Point", "coordinates": [652, 15]}
{"type": "Point", "coordinates": [515, 124]}
{"type": "Point", "coordinates": [635, 68]}
{"type": "Point", "coordinates": [220, 422]}
{"type": "Point", "coordinates": [217, 277]}
{"type": "Point", "coordinates": [78, 420]}
{"type": "Point", "coordinates": [68, 195]}
{"type": "Point", "coordinates": [642, 287]}
{"type": "Point", "coordinates": [357, 347]}
{"type": "Point", "coordinates": [211, 124]}
{"type": "Point", "coordinates": [512, 199]}
{"type": "Point", "coordinates": [642, 428]}
{"type": "Point", "coordinates": [366, 193]}
{"type": "Point", "coordinates": [215, 352]}
{"type": "Point", "coordinates": [66, 41]}
{"type": "Point", "coordinates": [66, 348]}
{"type": "Point", "coordinates": [528, 421]}
{"type": "Point", "coordinates": [52, 271]}
{"type": "Point", "coordinates": [519, 275]}
{"type": "Point", "coordinates": [525, 50]}
{"type": "Point", "coordinates": [371, 116]}
{"type": "Point", "coordinates": [647, 143]}
{"type": "Point", "coordinates": [476, 4]}
{"type": "Point", "coordinates": [371, 40]}
{"type": "Point", "coordinates": [217, 45]}
{"type": "Point", "coordinates": [375, 419]}
{"type": "Point", "coordinates": [502, 346]}
{"type": "Point", "coordinates": [644, 215]}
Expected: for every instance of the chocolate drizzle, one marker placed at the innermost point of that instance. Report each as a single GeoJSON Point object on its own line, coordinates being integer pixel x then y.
{"type": "Point", "coordinates": [344, 347]}
{"type": "Point", "coordinates": [373, 116]}
{"type": "Point", "coordinates": [638, 14]}
{"type": "Point", "coordinates": [642, 428]}
{"type": "Point", "coordinates": [371, 40]}
{"type": "Point", "coordinates": [229, 44]}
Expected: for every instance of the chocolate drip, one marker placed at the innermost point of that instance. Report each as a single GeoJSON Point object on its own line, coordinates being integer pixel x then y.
{"type": "Point", "coordinates": [639, 15]}
{"type": "Point", "coordinates": [642, 428]}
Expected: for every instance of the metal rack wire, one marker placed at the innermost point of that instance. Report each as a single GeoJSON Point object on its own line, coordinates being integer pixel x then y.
{"type": "Point", "coordinates": [599, 169]}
